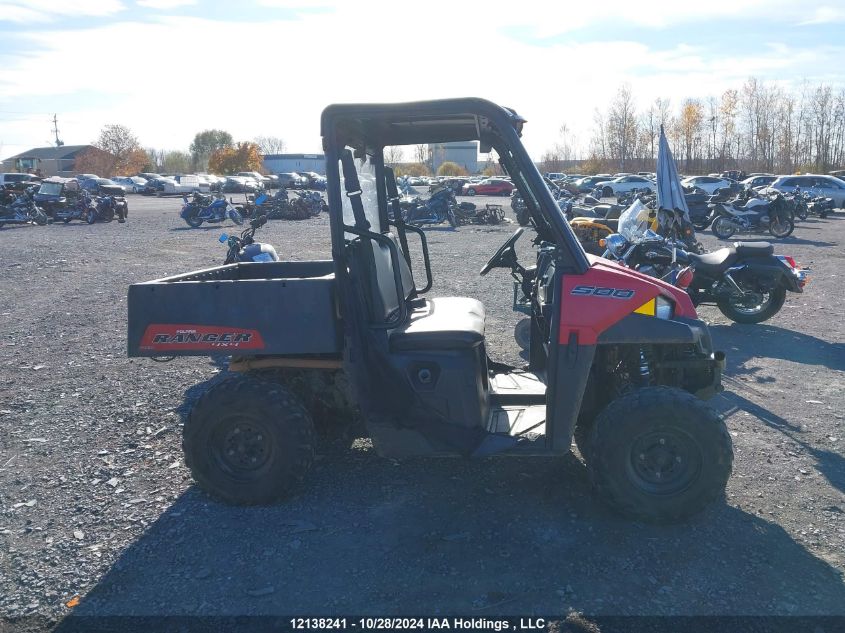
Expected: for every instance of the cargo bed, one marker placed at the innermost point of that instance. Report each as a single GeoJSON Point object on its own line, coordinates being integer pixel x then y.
{"type": "Point", "coordinates": [256, 309]}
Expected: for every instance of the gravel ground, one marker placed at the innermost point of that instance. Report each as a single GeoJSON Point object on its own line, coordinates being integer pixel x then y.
{"type": "Point", "coordinates": [95, 501]}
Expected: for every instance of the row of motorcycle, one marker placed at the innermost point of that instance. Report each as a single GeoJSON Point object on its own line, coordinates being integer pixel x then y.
{"type": "Point", "coordinates": [442, 206]}
{"type": "Point", "coordinates": [215, 208]}
{"type": "Point", "coordinates": [746, 281]}
{"type": "Point", "coordinates": [725, 212]}
{"type": "Point", "coordinates": [20, 207]}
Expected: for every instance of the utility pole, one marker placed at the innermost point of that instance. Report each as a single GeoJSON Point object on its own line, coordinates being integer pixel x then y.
{"type": "Point", "coordinates": [59, 142]}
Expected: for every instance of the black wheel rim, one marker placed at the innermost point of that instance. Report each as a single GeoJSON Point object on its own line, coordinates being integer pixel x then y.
{"type": "Point", "coordinates": [664, 461]}
{"type": "Point", "coordinates": [241, 447]}
{"type": "Point", "coordinates": [751, 303]}
{"type": "Point", "coordinates": [779, 227]}
{"type": "Point", "coordinates": [724, 227]}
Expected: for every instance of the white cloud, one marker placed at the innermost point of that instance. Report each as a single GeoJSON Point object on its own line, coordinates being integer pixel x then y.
{"type": "Point", "coordinates": [165, 4]}
{"type": "Point", "coordinates": [825, 15]}
{"type": "Point", "coordinates": [166, 96]}
{"type": "Point", "coordinates": [25, 11]}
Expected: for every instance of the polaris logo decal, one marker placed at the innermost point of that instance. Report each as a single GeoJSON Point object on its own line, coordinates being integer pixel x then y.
{"type": "Point", "coordinates": [600, 291]}
{"type": "Point", "coordinates": [165, 337]}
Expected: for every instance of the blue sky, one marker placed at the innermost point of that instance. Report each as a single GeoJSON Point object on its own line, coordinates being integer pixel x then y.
{"type": "Point", "coordinates": [170, 68]}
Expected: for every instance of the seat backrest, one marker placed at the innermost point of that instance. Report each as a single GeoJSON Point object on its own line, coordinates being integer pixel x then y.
{"type": "Point", "coordinates": [373, 263]}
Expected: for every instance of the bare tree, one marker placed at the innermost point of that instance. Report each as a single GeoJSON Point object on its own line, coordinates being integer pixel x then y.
{"type": "Point", "coordinates": [270, 144]}
{"type": "Point", "coordinates": [393, 155]}
{"type": "Point", "coordinates": [621, 128]}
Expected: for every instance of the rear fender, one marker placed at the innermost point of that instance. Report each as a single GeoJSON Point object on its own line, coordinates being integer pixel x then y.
{"type": "Point", "coordinates": [769, 273]}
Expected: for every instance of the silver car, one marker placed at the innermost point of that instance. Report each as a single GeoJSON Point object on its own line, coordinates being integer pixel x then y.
{"type": "Point", "coordinates": [132, 184]}
{"type": "Point", "coordinates": [827, 186]}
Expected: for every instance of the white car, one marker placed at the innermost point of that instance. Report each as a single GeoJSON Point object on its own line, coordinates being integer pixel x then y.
{"type": "Point", "coordinates": [827, 186]}
{"type": "Point", "coordinates": [181, 184]}
{"type": "Point", "coordinates": [707, 183]}
{"type": "Point", "coordinates": [132, 184]}
{"type": "Point", "coordinates": [624, 184]}
{"type": "Point", "coordinates": [758, 181]}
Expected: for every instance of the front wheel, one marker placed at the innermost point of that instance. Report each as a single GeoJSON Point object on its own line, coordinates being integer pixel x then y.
{"type": "Point", "coordinates": [607, 192]}
{"type": "Point", "coordinates": [41, 218]}
{"type": "Point", "coordinates": [522, 333]}
{"type": "Point", "coordinates": [471, 192]}
{"type": "Point", "coordinates": [701, 223]}
{"type": "Point", "coordinates": [723, 227]}
{"type": "Point", "coordinates": [755, 306]}
{"type": "Point", "coordinates": [523, 217]}
{"type": "Point", "coordinates": [781, 227]}
{"type": "Point", "coordinates": [236, 217]}
{"type": "Point", "coordinates": [450, 216]}
{"type": "Point", "coordinates": [659, 454]}
{"type": "Point", "coordinates": [248, 441]}
{"type": "Point", "coordinates": [91, 216]}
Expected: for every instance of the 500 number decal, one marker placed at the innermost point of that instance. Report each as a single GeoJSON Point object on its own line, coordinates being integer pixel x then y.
{"type": "Point", "coordinates": [599, 291]}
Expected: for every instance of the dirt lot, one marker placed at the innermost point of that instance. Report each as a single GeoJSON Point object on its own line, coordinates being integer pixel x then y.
{"type": "Point", "coordinates": [95, 500]}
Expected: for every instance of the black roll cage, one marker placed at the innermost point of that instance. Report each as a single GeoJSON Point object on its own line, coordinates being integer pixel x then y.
{"type": "Point", "coordinates": [369, 128]}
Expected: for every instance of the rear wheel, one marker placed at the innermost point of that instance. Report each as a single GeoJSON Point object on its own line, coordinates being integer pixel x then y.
{"type": "Point", "coordinates": [723, 228]}
{"type": "Point", "coordinates": [755, 306]}
{"type": "Point", "coordinates": [248, 441]}
{"type": "Point", "coordinates": [607, 192]}
{"type": "Point", "coordinates": [193, 220]}
{"type": "Point", "coordinates": [659, 454]}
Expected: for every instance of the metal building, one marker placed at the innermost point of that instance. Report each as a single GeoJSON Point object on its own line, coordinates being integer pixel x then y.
{"type": "Point", "coordinates": [284, 163]}
{"type": "Point", "coordinates": [464, 153]}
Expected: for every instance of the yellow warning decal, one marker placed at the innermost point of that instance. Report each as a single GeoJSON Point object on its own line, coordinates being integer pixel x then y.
{"type": "Point", "coordinates": [647, 308]}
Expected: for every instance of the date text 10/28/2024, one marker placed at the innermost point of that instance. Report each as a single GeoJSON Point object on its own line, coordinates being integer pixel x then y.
{"type": "Point", "coordinates": [419, 624]}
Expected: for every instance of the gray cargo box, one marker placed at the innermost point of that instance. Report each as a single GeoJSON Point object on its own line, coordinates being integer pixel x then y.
{"type": "Point", "coordinates": [255, 309]}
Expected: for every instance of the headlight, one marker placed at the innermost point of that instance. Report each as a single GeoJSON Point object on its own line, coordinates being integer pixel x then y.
{"type": "Point", "coordinates": [616, 244]}
{"type": "Point", "coordinates": [664, 308]}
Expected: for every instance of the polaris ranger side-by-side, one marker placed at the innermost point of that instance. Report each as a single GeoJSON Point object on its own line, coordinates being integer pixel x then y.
{"type": "Point", "coordinates": [618, 360]}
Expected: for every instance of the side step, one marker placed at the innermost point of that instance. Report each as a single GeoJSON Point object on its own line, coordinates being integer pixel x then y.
{"type": "Point", "coordinates": [528, 422]}
{"type": "Point", "coordinates": [517, 388]}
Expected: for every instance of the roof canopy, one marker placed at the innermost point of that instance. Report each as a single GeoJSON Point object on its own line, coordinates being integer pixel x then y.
{"type": "Point", "coordinates": [415, 122]}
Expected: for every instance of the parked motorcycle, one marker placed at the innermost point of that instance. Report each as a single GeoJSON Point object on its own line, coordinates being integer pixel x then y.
{"type": "Point", "coordinates": [821, 206]}
{"type": "Point", "coordinates": [439, 208]}
{"type": "Point", "coordinates": [746, 281]}
{"type": "Point", "coordinates": [755, 214]}
{"type": "Point", "coordinates": [79, 207]}
{"type": "Point", "coordinates": [307, 204]}
{"type": "Point", "coordinates": [203, 208]}
{"type": "Point", "coordinates": [22, 210]}
{"type": "Point", "coordinates": [105, 208]}
{"type": "Point", "coordinates": [520, 209]}
{"type": "Point", "coordinates": [245, 248]}
{"type": "Point", "coordinates": [468, 213]}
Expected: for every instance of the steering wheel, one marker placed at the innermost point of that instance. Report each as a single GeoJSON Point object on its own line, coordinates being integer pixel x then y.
{"type": "Point", "coordinates": [498, 259]}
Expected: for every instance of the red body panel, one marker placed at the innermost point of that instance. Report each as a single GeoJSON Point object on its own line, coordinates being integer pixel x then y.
{"type": "Point", "coordinates": [160, 337]}
{"type": "Point", "coordinates": [592, 302]}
